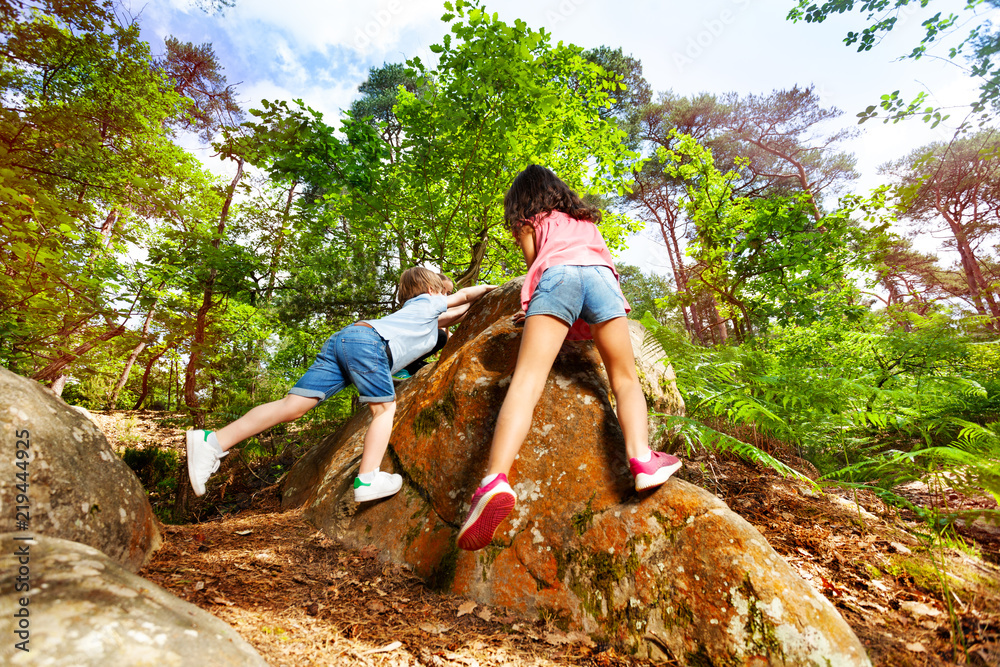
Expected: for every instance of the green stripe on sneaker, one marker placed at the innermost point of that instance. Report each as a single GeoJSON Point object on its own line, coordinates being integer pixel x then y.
{"type": "Point", "coordinates": [358, 483]}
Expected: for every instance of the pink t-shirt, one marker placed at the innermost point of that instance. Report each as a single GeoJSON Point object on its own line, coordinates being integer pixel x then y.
{"type": "Point", "coordinates": [560, 239]}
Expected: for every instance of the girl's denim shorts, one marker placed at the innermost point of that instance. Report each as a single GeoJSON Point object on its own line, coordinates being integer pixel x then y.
{"type": "Point", "coordinates": [354, 355]}
{"type": "Point", "coordinates": [590, 293]}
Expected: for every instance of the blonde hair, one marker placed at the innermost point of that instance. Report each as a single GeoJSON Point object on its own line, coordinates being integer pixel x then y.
{"type": "Point", "coordinates": [417, 281]}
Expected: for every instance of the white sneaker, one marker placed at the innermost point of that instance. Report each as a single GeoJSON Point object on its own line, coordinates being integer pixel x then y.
{"type": "Point", "coordinates": [203, 458]}
{"type": "Point", "coordinates": [384, 484]}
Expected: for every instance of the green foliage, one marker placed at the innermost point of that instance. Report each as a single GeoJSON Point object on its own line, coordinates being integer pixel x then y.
{"type": "Point", "coordinates": [978, 46]}
{"type": "Point", "coordinates": [631, 92]}
{"type": "Point", "coordinates": [156, 468]}
{"type": "Point", "coordinates": [869, 402]}
{"type": "Point", "coordinates": [424, 183]}
{"type": "Point", "coordinates": [767, 260]}
{"type": "Point", "coordinates": [647, 293]}
{"type": "Point", "coordinates": [86, 167]}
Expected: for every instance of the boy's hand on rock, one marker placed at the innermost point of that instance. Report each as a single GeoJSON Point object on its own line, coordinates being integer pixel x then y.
{"type": "Point", "coordinates": [518, 318]}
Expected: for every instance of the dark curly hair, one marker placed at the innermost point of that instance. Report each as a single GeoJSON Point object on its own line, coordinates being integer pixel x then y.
{"type": "Point", "coordinates": [536, 190]}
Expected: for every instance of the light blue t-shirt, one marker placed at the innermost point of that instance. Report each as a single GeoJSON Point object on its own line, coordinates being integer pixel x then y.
{"type": "Point", "coordinates": [411, 330]}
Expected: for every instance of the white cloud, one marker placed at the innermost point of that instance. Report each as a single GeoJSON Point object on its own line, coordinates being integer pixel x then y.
{"type": "Point", "coordinates": [320, 25]}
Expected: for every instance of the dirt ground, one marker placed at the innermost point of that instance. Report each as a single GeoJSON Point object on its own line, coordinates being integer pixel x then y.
{"type": "Point", "coordinates": [301, 600]}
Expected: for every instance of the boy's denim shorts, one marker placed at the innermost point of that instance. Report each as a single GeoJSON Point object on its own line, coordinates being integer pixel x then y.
{"type": "Point", "coordinates": [590, 293]}
{"type": "Point", "coordinates": [354, 355]}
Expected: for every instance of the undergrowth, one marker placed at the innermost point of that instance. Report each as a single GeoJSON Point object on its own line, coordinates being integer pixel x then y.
{"type": "Point", "coordinates": [875, 404]}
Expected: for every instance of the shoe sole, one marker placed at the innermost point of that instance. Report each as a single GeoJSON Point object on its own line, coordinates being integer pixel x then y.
{"type": "Point", "coordinates": [485, 519]}
{"type": "Point", "coordinates": [644, 481]}
{"type": "Point", "coordinates": [199, 490]}
{"type": "Point", "coordinates": [374, 495]}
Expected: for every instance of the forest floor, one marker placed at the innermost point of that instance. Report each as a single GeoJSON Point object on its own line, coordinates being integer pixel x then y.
{"type": "Point", "coordinates": [301, 599]}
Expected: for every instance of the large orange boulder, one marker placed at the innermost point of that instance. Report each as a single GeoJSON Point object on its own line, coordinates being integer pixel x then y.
{"type": "Point", "coordinates": [669, 573]}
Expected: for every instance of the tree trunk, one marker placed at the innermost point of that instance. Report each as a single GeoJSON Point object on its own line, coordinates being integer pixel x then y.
{"type": "Point", "coordinates": [170, 384]}
{"type": "Point", "coordinates": [201, 320]}
{"type": "Point", "coordinates": [979, 287]}
{"type": "Point", "coordinates": [668, 231]}
{"type": "Point", "coordinates": [140, 346]}
{"type": "Point", "coordinates": [55, 368]}
{"type": "Point", "coordinates": [471, 275]}
{"type": "Point", "coordinates": [58, 385]}
{"type": "Point", "coordinates": [145, 376]}
{"type": "Point", "coordinates": [279, 243]}
{"type": "Point", "coordinates": [719, 332]}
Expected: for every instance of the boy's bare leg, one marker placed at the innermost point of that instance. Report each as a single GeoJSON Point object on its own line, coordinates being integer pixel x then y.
{"type": "Point", "coordinates": [262, 417]}
{"type": "Point", "coordinates": [543, 336]}
{"type": "Point", "coordinates": [377, 436]}
{"type": "Point", "coordinates": [615, 347]}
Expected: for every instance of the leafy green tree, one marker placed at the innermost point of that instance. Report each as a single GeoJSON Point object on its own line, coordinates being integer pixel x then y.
{"type": "Point", "coordinates": [338, 264]}
{"type": "Point", "coordinates": [768, 148]}
{"type": "Point", "coordinates": [209, 275]}
{"type": "Point", "coordinates": [630, 102]}
{"type": "Point", "coordinates": [501, 96]}
{"type": "Point", "coordinates": [196, 75]}
{"type": "Point", "coordinates": [83, 158]}
{"type": "Point", "coordinates": [379, 93]}
{"type": "Point", "coordinates": [656, 199]}
{"type": "Point", "coordinates": [766, 260]}
{"type": "Point", "coordinates": [954, 188]}
{"type": "Point", "coordinates": [646, 293]}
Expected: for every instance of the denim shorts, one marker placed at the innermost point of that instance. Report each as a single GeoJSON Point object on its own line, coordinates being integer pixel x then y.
{"type": "Point", "coordinates": [354, 355]}
{"type": "Point", "coordinates": [590, 293]}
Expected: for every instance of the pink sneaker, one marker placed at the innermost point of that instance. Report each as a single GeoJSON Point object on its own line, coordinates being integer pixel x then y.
{"type": "Point", "coordinates": [655, 471]}
{"type": "Point", "coordinates": [490, 506]}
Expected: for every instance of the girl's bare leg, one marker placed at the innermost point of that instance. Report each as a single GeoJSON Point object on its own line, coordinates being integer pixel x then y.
{"type": "Point", "coordinates": [615, 347]}
{"type": "Point", "coordinates": [377, 436]}
{"type": "Point", "coordinates": [543, 336]}
{"type": "Point", "coordinates": [262, 417]}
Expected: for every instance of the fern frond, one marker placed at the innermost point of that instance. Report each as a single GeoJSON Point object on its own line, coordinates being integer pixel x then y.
{"type": "Point", "coordinates": [694, 433]}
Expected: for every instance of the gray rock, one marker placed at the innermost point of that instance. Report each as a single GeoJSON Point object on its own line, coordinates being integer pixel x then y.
{"type": "Point", "coordinates": [83, 411]}
{"type": "Point", "coordinates": [85, 610]}
{"type": "Point", "coordinates": [78, 488]}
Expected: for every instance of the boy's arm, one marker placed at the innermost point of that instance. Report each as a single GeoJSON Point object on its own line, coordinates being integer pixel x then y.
{"type": "Point", "coordinates": [453, 315]}
{"type": "Point", "coordinates": [468, 295]}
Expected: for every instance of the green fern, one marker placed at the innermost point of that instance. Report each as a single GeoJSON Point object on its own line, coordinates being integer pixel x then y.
{"type": "Point", "coordinates": [694, 434]}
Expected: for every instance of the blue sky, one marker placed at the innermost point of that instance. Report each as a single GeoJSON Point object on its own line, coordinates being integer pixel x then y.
{"type": "Point", "coordinates": [321, 50]}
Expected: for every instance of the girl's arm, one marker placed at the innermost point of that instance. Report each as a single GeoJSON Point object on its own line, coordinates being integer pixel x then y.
{"type": "Point", "coordinates": [526, 239]}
